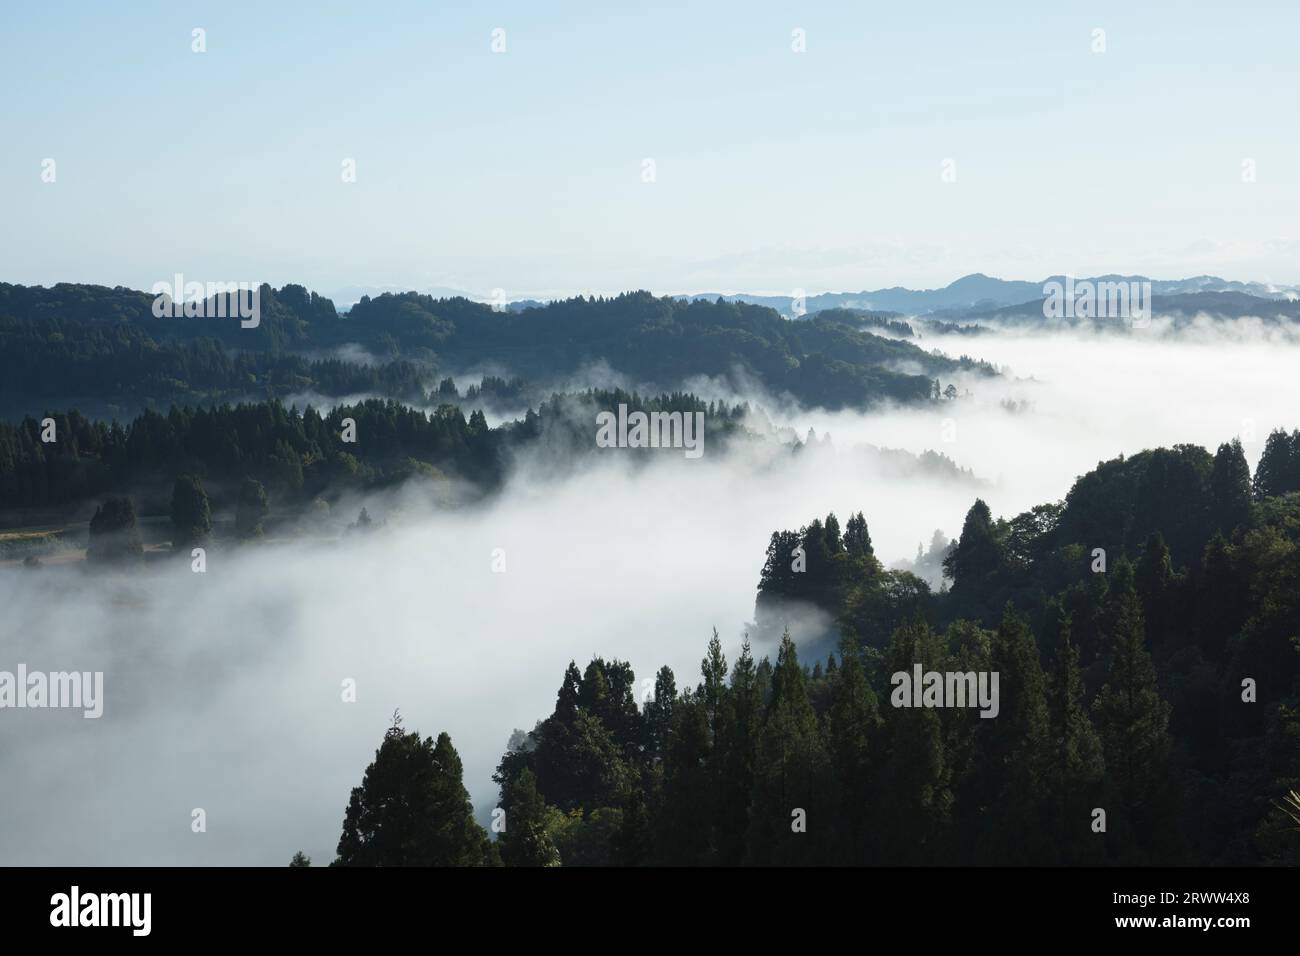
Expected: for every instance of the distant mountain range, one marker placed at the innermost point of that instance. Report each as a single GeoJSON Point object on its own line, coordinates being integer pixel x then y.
{"type": "Point", "coordinates": [970, 296]}
{"type": "Point", "coordinates": [981, 294]}
{"type": "Point", "coordinates": [1182, 307]}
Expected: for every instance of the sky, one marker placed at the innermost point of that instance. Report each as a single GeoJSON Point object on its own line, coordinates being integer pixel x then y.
{"type": "Point", "coordinates": [1172, 153]}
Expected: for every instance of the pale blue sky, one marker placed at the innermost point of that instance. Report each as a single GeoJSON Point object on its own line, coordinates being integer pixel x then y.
{"type": "Point", "coordinates": [523, 170]}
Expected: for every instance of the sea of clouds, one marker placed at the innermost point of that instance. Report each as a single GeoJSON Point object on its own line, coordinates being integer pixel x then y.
{"type": "Point", "coordinates": [223, 691]}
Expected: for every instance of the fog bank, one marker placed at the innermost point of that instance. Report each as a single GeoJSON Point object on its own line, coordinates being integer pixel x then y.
{"type": "Point", "coordinates": [223, 691]}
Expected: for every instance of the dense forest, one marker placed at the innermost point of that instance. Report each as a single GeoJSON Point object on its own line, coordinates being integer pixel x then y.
{"type": "Point", "coordinates": [119, 369]}
{"type": "Point", "coordinates": [1145, 631]}
{"type": "Point", "coordinates": [123, 358]}
{"type": "Point", "coordinates": [300, 456]}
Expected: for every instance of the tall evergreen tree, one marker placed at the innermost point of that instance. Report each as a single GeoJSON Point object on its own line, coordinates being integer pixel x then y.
{"type": "Point", "coordinates": [1273, 474]}
{"type": "Point", "coordinates": [412, 808]}
{"type": "Point", "coordinates": [736, 754]}
{"type": "Point", "coordinates": [1157, 589]}
{"type": "Point", "coordinates": [1222, 601]}
{"type": "Point", "coordinates": [714, 688]}
{"type": "Point", "coordinates": [526, 840]}
{"type": "Point", "coordinates": [580, 765]}
{"type": "Point", "coordinates": [714, 702]}
{"type": "Point", "coordinates": [778, 579]}
{"type": "Point", "coordinates": [1230, 488]}
{"type": "Point", "coordinates": [817, 583]}
{"type": "Point", "coordinates": [659, 714]}
{"type": "Point", "coordinates": [566, 699]}
{"type": "Point", "coordinates": [834, 543]}
{"type": "Point", "coordinates": [190, 513]}
{"type": "Point", "coordinates": [969, 650]}
{"type": "Point", "coordinates": [974, 561]}
{"type": "Point", "coordinates": [1013, 751]}
{"type": "Point", "coordinates": [790, 771]}
{"type": "Point", "coordinates": [857, 539]}
{"type": "Point", "coordinates": [593, 689]}
{"type": "Point", "coordinates": [913, 790]}
{"type": "Point", "coordinates": [252, 510]}
{"type": "Point", "coordinates": [1076, 765]}
{"type": "Point", "coordinates": [633, 845]}
{"type": "Point", "coordinates": [683, 818]}
{"type": "Point", "coordinates": [1133, 723]}
{"type": "Point", "coordinates": [853, 723]}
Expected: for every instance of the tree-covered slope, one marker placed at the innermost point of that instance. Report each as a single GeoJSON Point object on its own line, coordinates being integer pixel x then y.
{"type": "Point", "coordinates": [108, 346]}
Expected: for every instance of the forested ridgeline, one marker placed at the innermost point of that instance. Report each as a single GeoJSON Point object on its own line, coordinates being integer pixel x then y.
{"type": "Point", "coordinates": [1146, 634]}
{"type": "Point", "coordinates": [1181, 309]}
{"type": "Point", "coordinates": [299, 456]}
{"type": "Point", "coordinates": [119, 370]}
{"type": "Point", "coordinates": [108, 346]}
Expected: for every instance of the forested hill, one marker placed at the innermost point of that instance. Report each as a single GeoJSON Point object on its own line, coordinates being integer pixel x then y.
{"type": "Point", "coordinates": [105, 345]}
{"type": "Point", "coordinates": [299, 456]}
{"type": "Point", "coordinates": [1148, 711]}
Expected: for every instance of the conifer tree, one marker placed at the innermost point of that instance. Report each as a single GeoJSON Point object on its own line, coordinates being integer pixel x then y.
{"type": "Point", "coordinates": [659, 714]}
{"type": "Point", "coordinates": [1223, 601]}
{"type": "Point", "coordinates": [1230, 488]}
{"type": "Point", "coordinates": [566, 699]}
{"type": "Point", "coordinates": [857, 540]}
{"type": "Point", "coordinates": [714, 701]}
{"type": "Point", "coordinates": [1133, 722]}
{"type": "Point", "coordinates": [1156, 586]}
{"type": "Point", "coordinates": [714, 688]}
{"type": "Point", "coordinates": [580, 765]}
{"type": "Point", "coordinates": [632, 846]}
{"type": "Point", "coordinates": [790, 770]}
{"type": "Point", "coordinates": [683, 818]}
{"type": "Point", "coordinates": [1273, 474]}
{"type": "Point", "coordinates": [252, 510]}
{"type": "Point", "coordinates": [1076, 766]}
{"type": "Point", "coordinates": [969, 650]}
{"type": "Point", "coordinates": [974, 561]}
{"type": "Point", "coordinates": [736, 754]}
{"type": "Point", "coordinates": [1013, 751]}
{"type": "Point", "coordinates": [913, 793]}
{"type": "Point", "coordinates": [817, 583]}
{"type": "Point", "coordinates": [412, 808]}
{"type": "Point", "coordinates": [853, 723]}
{"type": "Point", "coordinates": [526, 840]}
{"type": "Point", "coordinates": [778, 579]}
{"type": "Point", "coordinates": [593, 689]}
{"type": "Point", "coordinates": [834, 543]}
{"type": "Point", "coordinates": [190, 513]}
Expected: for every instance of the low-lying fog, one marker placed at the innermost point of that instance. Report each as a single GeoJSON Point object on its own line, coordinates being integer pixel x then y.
{"type": "Point", "coordinates": [223, 691]}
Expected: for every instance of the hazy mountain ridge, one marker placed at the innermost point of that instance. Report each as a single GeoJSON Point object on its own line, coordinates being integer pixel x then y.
{"type": "Point", "coordinates": [113, 339]}
{"type": "Point", "coordinates": [981, 294]}
{"type": "Point", "coordinates": [1181, 306]}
